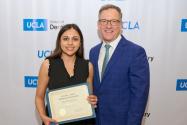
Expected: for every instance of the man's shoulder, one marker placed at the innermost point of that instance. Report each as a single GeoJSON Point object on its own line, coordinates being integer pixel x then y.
{"type": "Point", "coordinates": [96, 47]}
{"type": "Point", "coordinates": [131, 44]}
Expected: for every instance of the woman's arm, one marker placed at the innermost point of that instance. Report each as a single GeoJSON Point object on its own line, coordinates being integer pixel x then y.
{"type": "Point", "coordinates": [43, 79]}
{"type": "Point", "coordinates": [91, 98]}
{"type": "Point", "coordinates": [90, 76]}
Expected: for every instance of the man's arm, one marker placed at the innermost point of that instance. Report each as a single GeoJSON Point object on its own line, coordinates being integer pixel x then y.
{"type": "Point", "coordinates": [139, 87]}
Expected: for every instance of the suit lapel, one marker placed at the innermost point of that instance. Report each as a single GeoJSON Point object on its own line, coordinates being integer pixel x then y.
{"type": "Point", "coordinates": [96, 64]}
{"type": "Point", "coordinates": [115, 57]}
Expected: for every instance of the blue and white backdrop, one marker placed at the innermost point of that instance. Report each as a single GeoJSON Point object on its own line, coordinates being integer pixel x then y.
{"type": "Point", "coordinates": [28, 30]}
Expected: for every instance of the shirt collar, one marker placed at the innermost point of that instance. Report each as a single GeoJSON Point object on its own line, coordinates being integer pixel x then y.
{"type": "Point", "coordinates": [114, 43]}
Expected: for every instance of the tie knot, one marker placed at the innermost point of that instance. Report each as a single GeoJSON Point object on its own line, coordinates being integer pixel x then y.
{"type": "Point", "coordinates": [107, 46]}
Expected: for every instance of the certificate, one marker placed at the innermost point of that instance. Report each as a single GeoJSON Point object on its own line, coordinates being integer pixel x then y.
{"type": "Point", "coordinates": [70, 104]}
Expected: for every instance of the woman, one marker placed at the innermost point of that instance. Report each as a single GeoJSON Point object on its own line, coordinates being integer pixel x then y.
{"type": "Point", "coordinates": [65, 66]}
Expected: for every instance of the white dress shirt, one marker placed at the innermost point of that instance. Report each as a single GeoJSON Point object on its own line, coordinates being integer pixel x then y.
{"type": "Point", "coordinates": [113, 45]}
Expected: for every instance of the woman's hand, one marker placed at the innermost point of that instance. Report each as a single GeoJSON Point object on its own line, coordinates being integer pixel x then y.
{"type": "Point", "coordinates": [48, 120]}
{"type": "Point", "coordinates": [92, 99]}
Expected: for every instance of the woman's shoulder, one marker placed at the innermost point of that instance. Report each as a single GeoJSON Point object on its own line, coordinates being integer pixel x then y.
{"type": "Point", "coordinates": [82, 60]}
{"type": "Point", "coordinates": [82, 63]}
{"type": "Point", "coordinates": [53, 60]}
{"type": "Point", "coordinates": [85, 61]}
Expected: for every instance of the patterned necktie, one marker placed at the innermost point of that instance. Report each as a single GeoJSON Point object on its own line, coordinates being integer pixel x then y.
{"type": "Point", "coordinates": [106, 59]}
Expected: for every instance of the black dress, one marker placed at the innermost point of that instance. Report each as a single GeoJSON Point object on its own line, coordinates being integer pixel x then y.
{"type": "Point", "coordinates": [59, 77]}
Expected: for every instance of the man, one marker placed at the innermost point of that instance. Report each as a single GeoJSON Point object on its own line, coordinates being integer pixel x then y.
{"type": "Point", "coordinates": [121, 73]}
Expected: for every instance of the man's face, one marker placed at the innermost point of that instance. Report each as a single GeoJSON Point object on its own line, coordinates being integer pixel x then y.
{"type": "Point", "coordinates": [109, 24]}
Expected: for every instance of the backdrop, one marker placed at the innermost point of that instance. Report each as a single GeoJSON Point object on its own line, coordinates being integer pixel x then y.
{"type": "Point", "coordinates": [28, 31]}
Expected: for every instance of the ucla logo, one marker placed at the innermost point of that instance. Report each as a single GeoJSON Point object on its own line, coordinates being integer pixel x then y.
{"type": "Point", "coordinates": [34, 24]}
{"type": "Point", "coordinates": [31, 81]}
{"type": "Point", "coordinates": [181, 85]}
{"type": "Point", "coordinates": [129, 25]}
{"type": "Point", "coordinates": [184, 25]}
{"type": "Point", "coordinates": [44, 53]}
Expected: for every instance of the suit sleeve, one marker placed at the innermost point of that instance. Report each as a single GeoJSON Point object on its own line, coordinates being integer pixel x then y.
{"type": "Point", "coordinates": [139, 86]}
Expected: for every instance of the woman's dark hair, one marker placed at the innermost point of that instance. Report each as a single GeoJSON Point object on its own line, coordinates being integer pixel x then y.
{"type": "Point", "coordinates": [58, 51]}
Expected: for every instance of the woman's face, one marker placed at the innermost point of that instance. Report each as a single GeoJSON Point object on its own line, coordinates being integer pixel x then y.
{"type": "Point", "coordinates": [70, 42]}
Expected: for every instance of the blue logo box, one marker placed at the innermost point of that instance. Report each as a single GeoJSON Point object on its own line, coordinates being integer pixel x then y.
{"type": "Point", "coordinates": [181, 85]}
{"type": "Point", "coordinates": [184, 25]}
{"type": "Point", "coordinates": [34, 24]}
{"type": "Point", "coordinates": [31, 81]}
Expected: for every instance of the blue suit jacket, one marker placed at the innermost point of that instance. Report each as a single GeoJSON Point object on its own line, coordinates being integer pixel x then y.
{"type": "Point", "coordinates": [123, 92]}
